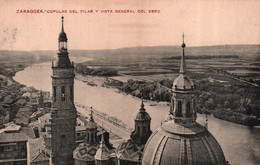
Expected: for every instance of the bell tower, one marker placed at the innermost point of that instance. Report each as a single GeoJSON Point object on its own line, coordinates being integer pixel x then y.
{"type": "Point", "coordinates": [63, 112]}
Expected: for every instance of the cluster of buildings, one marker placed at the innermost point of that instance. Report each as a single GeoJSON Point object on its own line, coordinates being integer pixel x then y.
{"type": "Point", "coordinates": [179, 139]}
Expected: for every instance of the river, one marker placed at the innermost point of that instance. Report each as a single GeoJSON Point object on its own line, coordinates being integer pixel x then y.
{"type": "Point", "coordinates": [241, 144]}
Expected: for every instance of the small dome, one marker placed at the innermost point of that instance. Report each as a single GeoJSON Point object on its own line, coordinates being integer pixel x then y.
{"type": "Point", "coordinates": [174, 143]}
{"type": "Point", "coordinates": [91, 125]}
{"type": "Point", "coordinates": [63, 37]}
{"type": "Point", "coordinates": [142, 116]}
{"type": "Point", "coordinates": [183, 82]}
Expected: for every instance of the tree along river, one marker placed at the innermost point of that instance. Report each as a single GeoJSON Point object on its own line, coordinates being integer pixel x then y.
{"type": "Point", "coordinates": [241, 144]}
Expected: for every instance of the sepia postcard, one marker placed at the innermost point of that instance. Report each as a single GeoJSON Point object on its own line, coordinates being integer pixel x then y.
{"type": "Point", "coordinates": [138, 82]}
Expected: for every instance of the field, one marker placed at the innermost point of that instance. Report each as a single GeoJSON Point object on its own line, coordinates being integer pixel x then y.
{"type": "Point", "coordinates": [155, 63]}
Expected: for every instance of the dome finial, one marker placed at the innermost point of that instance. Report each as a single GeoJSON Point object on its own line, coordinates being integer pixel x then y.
{"type": "Point", "coordinates": [91, 114]}
{"type": "Point", "coordinates": [183, 37]}
{"type": "Point", "coordinates": [142, 109]}
{"type": "Point", "coordinates": [183, 65]}
{"type": "Point", "coordinates": [62, 29]}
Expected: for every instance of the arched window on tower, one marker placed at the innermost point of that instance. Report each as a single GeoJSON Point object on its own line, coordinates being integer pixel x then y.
{"type": "Point", "coordinates": [188, 110]}
{"type": "Point", "coordinates": [71, 93]}
{"type": "Point", "coordinates": [179, 109]}
{"type": "Point", "coordinates": [172, 106]}
{"type": "Point", "coordinates": [138, 129]}
{"type": "Point", "coordinates": [194, 105]}
{"type": "Point", "coordinates": [87, 137]}
{"type": "Point", "coordinates": [54, 93]}
{"type": "Point", "coordinates": [92, 138]}
{"type": "Point", "coordinates": [63, 93]}
{"type": "Point", "coordinates": [63, 141]}
{"type": "Point", "coordinates": [144, 129]}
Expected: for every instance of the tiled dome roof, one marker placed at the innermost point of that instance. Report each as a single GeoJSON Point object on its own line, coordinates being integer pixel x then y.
{"type": "Point", "coordinates": [174, 143]}
{"type": "Point", "coordinates": [129, 150]}
{"type": "Point", "coordinates": [85, 151]}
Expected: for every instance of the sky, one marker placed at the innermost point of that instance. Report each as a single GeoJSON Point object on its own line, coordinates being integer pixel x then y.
{"type": "Point", "coordinates": [204, 23]}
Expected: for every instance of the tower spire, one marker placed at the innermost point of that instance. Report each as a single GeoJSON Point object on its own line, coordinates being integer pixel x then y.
{"type": "Point", "coordinates": [62, 29]}
{"type": "Point", "coordinates": [183, 65]}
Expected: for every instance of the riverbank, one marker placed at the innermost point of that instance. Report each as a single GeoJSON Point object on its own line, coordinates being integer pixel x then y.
{"type": "Point", "coordinates": [235, 108]}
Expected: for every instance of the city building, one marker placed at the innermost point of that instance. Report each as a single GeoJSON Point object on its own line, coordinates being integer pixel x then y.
{"type": "Point", "coordinates": [180, 139]}
{"type": "Point", "coordinates": [13, 146]}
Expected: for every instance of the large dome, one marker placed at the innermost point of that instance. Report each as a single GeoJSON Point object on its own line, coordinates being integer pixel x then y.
{"type": "Point", "coordinates": [175, 143]}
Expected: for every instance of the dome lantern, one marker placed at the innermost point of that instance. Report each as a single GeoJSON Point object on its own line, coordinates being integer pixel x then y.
{"type": "Point", "coordinates": [63, 60]}
{"type": "Point", "coordinates": [62, 37]}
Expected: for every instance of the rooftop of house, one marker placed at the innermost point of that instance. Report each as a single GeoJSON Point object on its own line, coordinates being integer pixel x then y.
{"type": "Point", "coordinates": [13, 133]}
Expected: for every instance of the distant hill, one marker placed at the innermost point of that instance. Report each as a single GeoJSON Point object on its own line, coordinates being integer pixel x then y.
{"type": "Point", "coordinates": [243, 51]}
